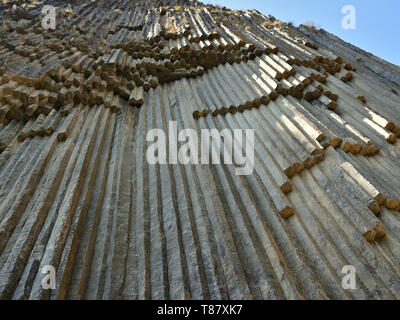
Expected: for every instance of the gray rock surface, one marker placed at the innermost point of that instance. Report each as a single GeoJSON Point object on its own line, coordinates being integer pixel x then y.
{"type": "Point", "coordinates": [77, 193]}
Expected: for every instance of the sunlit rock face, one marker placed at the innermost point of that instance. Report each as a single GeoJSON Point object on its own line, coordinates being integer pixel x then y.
{"type": "Point", "coordinates": [85, 215]}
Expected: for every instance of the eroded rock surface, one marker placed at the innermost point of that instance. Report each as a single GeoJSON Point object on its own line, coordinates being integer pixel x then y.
{"type": "Point", "coordinates": [77, 193]}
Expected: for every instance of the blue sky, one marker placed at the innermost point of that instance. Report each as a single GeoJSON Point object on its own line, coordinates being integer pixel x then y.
{"type": "Point", "coordinates": [377, 21]}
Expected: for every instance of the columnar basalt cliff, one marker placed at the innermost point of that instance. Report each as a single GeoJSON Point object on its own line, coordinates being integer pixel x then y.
{"type": "Point", "coordinates": [77, 193]}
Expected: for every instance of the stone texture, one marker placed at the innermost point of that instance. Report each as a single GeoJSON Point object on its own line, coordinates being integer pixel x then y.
{"type": "Point", "coordinates": [77, 192]}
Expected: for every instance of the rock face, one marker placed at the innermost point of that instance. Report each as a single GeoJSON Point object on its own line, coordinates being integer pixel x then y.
{"type": "Point", "coordinates": [77, 193]}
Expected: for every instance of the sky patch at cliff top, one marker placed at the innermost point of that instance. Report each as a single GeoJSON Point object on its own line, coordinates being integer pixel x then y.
{"type": "Point", "coordinates": [377, 28]}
